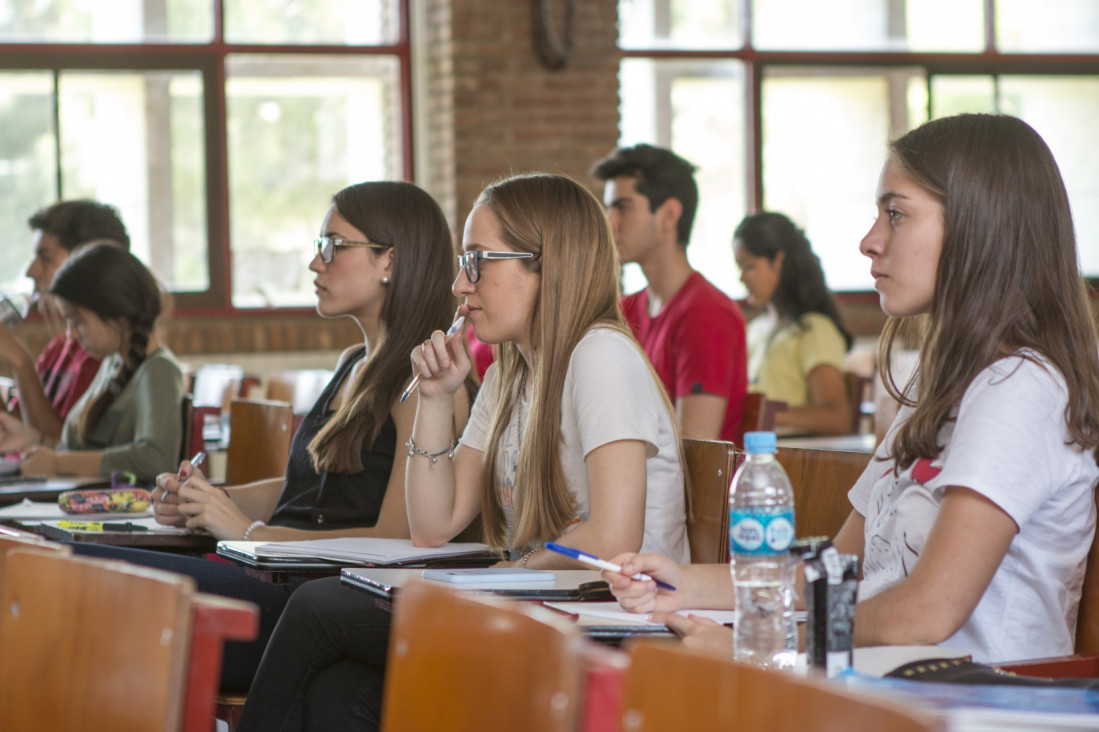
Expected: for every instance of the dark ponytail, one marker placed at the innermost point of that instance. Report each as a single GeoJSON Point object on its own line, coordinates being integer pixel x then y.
{"type": "Point", "coordinates": [107, 280]}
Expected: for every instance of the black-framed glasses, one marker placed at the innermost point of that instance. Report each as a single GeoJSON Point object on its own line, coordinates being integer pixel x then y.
{"type": "Point", "coordinates": [471, 261]}
{"type": "Point", "coordinates": [326, 246]}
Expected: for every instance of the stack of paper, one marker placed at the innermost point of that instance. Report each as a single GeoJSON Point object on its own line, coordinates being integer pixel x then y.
{"type": "Point", "coordinates": [358, 550]}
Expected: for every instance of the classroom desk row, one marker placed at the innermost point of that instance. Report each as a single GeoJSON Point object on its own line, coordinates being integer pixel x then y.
{"type": "Point", "coordinates": [575, 598]}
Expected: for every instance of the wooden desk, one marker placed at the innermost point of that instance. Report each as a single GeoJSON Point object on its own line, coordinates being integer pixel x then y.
{"type": "Point", "coordinates": [14, 489]}
{"type": "Point", "coordinates": [851, 443]}
{"type": "Point", "coordinates": [161, 541]}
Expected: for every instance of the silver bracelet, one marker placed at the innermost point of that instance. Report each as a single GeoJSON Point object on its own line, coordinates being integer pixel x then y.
{"type": "Point", "coordinates": [525, 557]}
{"type": "Point", "coordinates": [433, 456]}
{"type": "Point", "coordinates": [251, 527]}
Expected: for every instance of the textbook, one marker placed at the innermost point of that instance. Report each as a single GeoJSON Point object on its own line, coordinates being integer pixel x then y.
{"type": "Point", "coordinates": [987, 707]}
{"type": "Point", "coordinates": [357, 551]}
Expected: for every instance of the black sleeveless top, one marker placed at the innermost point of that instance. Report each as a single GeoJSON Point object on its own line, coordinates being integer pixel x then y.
{"type": "Point", "coordinates": [333, 500]}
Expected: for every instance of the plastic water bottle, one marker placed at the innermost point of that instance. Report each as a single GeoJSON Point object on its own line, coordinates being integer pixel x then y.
{"type": "Point", "coordinates": [761, 528]}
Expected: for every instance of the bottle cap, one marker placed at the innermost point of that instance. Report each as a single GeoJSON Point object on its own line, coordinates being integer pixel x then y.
{"type": "Point", "coordinates": [756, 442]}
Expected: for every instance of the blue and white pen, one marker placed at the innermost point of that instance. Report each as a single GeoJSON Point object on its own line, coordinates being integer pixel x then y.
{"type": "Point", "coordinates": [594, 561]}
{"type": "Point", "coordinates": [454, 328]}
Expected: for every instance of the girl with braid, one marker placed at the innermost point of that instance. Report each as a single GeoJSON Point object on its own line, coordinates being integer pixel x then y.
{"type": "Point", "coordinates": [130, 417]}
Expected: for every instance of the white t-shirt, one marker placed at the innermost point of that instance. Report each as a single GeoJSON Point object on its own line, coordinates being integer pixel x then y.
{"type": "Point", "coordinates": [1009, 443]}
{"type": "Point", "coordinates": [609, 395]}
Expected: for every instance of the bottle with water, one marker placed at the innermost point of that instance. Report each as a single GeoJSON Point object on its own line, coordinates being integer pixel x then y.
{"type": "Point", "coordinates": [761, 528]}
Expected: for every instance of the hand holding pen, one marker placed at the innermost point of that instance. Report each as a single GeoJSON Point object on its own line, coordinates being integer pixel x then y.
{"type": "Point", "coordinates": [455, 327]}
{"type": "Point", "coordinates": [166, 493]}
{"type": "Point", "coordinates": [593, 561]}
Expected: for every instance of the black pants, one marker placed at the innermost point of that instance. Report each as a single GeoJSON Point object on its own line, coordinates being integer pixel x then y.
{"type": "Point", "coordinates": [324, 665]}
{"type": "Point", "coordinates": [239, 663]}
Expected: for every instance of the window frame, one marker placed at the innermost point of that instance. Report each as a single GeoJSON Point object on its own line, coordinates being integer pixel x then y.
{"type": "Point", "coordinates": [209, 60]}
{"type": "Point", "coordinates": [988, 62]}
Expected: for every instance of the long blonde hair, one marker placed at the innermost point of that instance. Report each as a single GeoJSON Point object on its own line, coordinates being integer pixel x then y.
{"type": "Point", "coordinates": [560, 221]}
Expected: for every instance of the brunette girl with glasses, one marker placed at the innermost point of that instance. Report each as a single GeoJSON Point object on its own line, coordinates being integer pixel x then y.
{"type": "Point", "coordinates": [345, 473]}
{"type": "Point", "coordinates": [572, 439]}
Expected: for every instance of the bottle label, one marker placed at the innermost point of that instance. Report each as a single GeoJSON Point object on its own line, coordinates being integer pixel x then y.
{"type": "Point", "coordinates": [760, 534]}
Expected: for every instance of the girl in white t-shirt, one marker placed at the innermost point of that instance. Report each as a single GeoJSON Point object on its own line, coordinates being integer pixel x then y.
{"type": "Point", "coordinates": [572, 436]}
{"type": "Point", "coordinates": [974, 522]}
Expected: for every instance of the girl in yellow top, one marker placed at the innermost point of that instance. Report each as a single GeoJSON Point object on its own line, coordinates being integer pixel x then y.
{"type": "Point", "coordinates": [796, 347]}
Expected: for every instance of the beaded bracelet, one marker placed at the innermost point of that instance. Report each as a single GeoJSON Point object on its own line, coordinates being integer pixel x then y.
{"type": "Point", "coordinates": [251, 527]}
{"type": "Point", "coordinates": [525, 557]}
{"type": "Point", "coordinates": [433, 456]}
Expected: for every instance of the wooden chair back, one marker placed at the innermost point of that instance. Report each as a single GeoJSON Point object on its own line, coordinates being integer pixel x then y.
{"type": "Point", "coordinates": [15, 539]}
{"type": "Point", "coordinates": [859, 392]}
{"type": "Point", "coordinates": [194, 418]}
{"type": "Point", "coordinates": [214, 621]}
{"type": "Point", "coordinates": [464, 662]}
{"type": "Point", "coordinates": [709, 466]}
{"type": "Point", "coordinates": [300, 387]}
{"type": "Point", "coordinates": [259, 440]}
{"type": "Point", "coordinates": [759, 413]}
{"type": "Point", "coordinates": [1087, 622]}
{"type": "Point", "coordinates": [821, 480]}
{"type": "Point", "coordinates": [667, 687]}
{"type": "Point", "coordinates": [89, 644]}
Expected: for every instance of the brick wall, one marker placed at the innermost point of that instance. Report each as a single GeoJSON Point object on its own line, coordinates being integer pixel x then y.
{"type": "Point", "coordinates": [493, 109]}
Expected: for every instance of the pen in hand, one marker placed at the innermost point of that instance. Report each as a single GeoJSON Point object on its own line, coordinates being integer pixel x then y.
{"type": "Point", "coordinates": [454, 328]}
{"type": "Point", "coordinates": [594, 561]}
{"type": "Point", "coordinates": [195, 462]}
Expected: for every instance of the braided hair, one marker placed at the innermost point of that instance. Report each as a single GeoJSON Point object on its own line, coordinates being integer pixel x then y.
{"type": "Point", "coordinates": [107, 280]}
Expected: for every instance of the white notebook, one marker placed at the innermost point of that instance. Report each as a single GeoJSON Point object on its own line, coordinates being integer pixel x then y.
{"type": "Point", "coordinates": [360, 550]}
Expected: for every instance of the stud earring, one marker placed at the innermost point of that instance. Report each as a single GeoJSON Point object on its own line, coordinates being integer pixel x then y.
{"type": "Point", "coordinates": [385, 279]}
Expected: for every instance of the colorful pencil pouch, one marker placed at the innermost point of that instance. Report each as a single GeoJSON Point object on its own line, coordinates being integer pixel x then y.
{"type": "Point", "coordinates": [105, 500]}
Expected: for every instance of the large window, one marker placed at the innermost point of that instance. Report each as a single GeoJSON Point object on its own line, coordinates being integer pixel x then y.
{"type": "Point", "coordinates": [788, 105]}
{"type": "Point", "coordinates": [219, 128]}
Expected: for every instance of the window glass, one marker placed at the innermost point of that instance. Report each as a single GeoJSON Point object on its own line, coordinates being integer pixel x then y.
{"type": "Point", "coordinates": [300, 129]}
{"type": "Point", "coordinates": [679, 24]}
{"type": "Point", "coordinates": [703, 122]}
{"type": "Point", "coordinates": [959, 94]}
{"type": "Point", "coordinates": [27, 164]}
{"type": "Point", "coordinates": [1063, 110]}
{"type": "Point", "coordinates": [135, 140]}
{"type": "Point", "coordinates": [337, 22]}
{"type": "Point", "coordinates": [825, 137]}
{"type": "Point", "coordinates": [860, 25]}
{"type": "Point", "coordinates": [111, 21]}
{"type": "Point", "coordinates": [1055, 26]}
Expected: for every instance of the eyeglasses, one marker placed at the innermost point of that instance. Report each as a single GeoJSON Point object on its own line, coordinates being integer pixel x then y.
{"type": "Point", "coordinates": [471, 261]}
{"type": "Point", "coordinates": [327, 245]}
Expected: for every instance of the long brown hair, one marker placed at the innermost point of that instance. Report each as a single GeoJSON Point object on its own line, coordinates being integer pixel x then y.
{"type": "Point", "coordinates": [107, 280]}
{"type": "Point", "coordinates": [418, 300]}
{"type": "Point", "coordinates": [560, 220]}
{"type": "Point", "coordinates": [1007, 277]}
